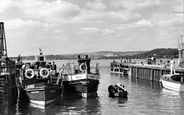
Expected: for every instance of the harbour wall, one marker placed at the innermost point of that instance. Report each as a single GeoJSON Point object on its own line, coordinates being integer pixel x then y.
{"type": "Point", "coordinates": [150, 72]}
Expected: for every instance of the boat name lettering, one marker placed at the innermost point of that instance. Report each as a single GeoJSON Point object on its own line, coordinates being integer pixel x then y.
{"type": "Point", "coordinates": [78, 76]}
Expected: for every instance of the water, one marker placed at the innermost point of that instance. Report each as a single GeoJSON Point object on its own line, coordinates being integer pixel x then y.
{"type": "Point", "coordinates": [144, 98]}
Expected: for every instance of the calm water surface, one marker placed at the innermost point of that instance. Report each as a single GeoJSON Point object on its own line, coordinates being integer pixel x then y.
{"type": "Point", "coordinates": [144, 98]}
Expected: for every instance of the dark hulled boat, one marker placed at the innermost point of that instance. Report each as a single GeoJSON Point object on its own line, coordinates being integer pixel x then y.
{"type": "Point", "coordinates": [82, 81]}
{"type": "Point", "coordinates": [117, 90]}
{"type": "Point", "coordinates": [44, 94]}
{"type": "Point", "coordinates": [40, 83]}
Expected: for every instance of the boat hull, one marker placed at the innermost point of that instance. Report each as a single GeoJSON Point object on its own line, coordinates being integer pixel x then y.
{"type": "Point", "coordinates": [83, 85]}
{"type": "Point", "coordinates": [113, 92]}
{"type": "Point", "coordinates": [169, 83]}
{"type": "Point", "coordinates": [44, 95]}
{"type": "Point", "coordinates": [173, 85]}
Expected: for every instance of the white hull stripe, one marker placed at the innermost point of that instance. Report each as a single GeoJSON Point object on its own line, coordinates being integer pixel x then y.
{"type": "Point", "coordinates": [42, 103]}
{"type": "Point", "coordinates": [173, 86]}
{"type": "Point", "coordinates": [81, 76]}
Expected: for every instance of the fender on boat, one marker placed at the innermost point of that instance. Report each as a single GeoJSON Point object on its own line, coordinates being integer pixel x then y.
{"type": "Point", "coordinates": [43, 71]}
{"type": "Point", "coordinates": [29, 73]}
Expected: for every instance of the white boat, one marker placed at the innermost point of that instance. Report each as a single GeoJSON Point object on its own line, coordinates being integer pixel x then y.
{"type": "Point", "coordinates": [173, 82]}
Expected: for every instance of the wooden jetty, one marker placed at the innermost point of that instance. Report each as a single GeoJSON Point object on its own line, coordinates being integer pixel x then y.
{"type": "Point", "coordinates": [150, 72]}
{"type": "Point", "coordinates": [8, 90]}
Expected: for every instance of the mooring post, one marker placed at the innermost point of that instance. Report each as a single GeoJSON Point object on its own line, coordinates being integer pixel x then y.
{"type": "Point", "coordinates": [137, 72]}
{"type": "Point", "coordinates": [151, 74]}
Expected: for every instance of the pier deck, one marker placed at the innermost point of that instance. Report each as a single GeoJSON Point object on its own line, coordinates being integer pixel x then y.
{"type": "Point", "coordinates": [150, 72]}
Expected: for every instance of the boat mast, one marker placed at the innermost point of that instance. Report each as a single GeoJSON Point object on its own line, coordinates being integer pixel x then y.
{"type": "Point", "coordinates": [3, 48]}
{"type": "Point", "coordinates": [181, 44]}
{"type": "Point", "coordinates": [183, 19]}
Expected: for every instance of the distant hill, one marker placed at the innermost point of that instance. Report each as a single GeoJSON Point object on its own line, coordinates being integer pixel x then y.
{"type": "Point", "coordinates": [111, 54]}
{"type": "Point", "coordinates": [158, 53]}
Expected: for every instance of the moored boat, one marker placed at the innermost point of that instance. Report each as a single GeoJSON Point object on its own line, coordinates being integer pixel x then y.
{"type": "Point", "coordinates": [80, 80]}
{"type": "Point", "coordinates": [173, 82]}
{"type": "Point", "coordinates": [117, 90]}
{"type": "Point", "coordinates": [41, 82]}
{"type": "Point", "coordinates": [118, 68]}
{"type": "Point", "coordinates": [44, 94]}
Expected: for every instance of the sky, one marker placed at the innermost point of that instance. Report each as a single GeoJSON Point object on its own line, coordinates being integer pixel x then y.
{"type": "Point", "coordinates": [77, 26]}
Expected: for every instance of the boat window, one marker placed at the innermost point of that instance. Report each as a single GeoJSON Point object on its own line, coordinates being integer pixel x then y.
{"type": "Point", "coordinates": [41, 58]}
{"type": "Point", "coordinates": [176, 77]}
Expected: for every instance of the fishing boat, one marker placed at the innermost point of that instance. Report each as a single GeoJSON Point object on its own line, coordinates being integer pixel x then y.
{"type": "Point", "coordinates": [81, 80]}
{"type": "Point", "coordinates": [117, 90]}
{"type": "Point", "coordinates": [40, 80]}
{"type": "Point", "coordinates": [173, 82]}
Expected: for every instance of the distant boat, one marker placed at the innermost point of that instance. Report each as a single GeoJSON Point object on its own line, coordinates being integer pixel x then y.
{"type": "Point", "coordinates": [40, 81]}
{"type": "Point", "coordinates": [118, 68]}
{"type": "Point", "coordinates": [81, 81]}
{"type": "Point", "coordinates": [173, 82]}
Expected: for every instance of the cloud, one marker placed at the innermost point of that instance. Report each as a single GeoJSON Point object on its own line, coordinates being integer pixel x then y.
{"type": "Point", "coordinates": [59, 9]}
{"type": "Point", "coordinates": [5, 4]}
{"type": "Point", "coordinates": [47, 11]}
{"type": "Point", "coordinates": [62, 23]}
{"type": "Point", "coordinates": [138, 24]}
{"type": "Point", "coordinates": [107, 31]}
{"type": "Point", "coordinates": [95, 31]}
{"type": "Point", "coordinates": [135, 4]}
{"type": "Point", "coordinates": [63, 12]}
{"type": "Point", "coordinates": [96, 5]}
{"type": "Point", "coordinates": [144, 23]}
{"type": "Point", "coordinates": [105, 17]}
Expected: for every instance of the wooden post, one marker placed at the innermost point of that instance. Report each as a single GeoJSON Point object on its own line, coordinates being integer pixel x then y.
{"type": "Point", "coordinates": [151, 74]}
{"type": "Point", "coordinates": [137, 72]}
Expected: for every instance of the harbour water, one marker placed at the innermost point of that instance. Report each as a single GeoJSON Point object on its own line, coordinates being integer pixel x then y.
{"type": "Point", "coordinates": [144, 98]}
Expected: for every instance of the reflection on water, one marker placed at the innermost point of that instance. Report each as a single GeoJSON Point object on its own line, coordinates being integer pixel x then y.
{"type": "Point", "coordinates": [62, 107]}
{"type": "Point", "coordinates": [65, 107]}
{"type": "Point", "coordinates": [78, 106]}
{"type": "Point", "coordinates": [144, 97]}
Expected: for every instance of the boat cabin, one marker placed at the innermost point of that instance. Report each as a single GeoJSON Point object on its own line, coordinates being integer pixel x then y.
{"type": "Point", "coordinates": [84, 63]}
{"type": "Point", "coordinates": [174, 77]}
{"type": "Point", "coordinates": [40, 60]}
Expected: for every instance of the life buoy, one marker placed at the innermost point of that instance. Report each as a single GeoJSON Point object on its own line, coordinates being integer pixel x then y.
{"type": "Point", "coordinates": [44, 73]}
{"type": "Point", "coordinates": [29, 73]}
{"type": "Point", "coordinates": [83, 67]}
